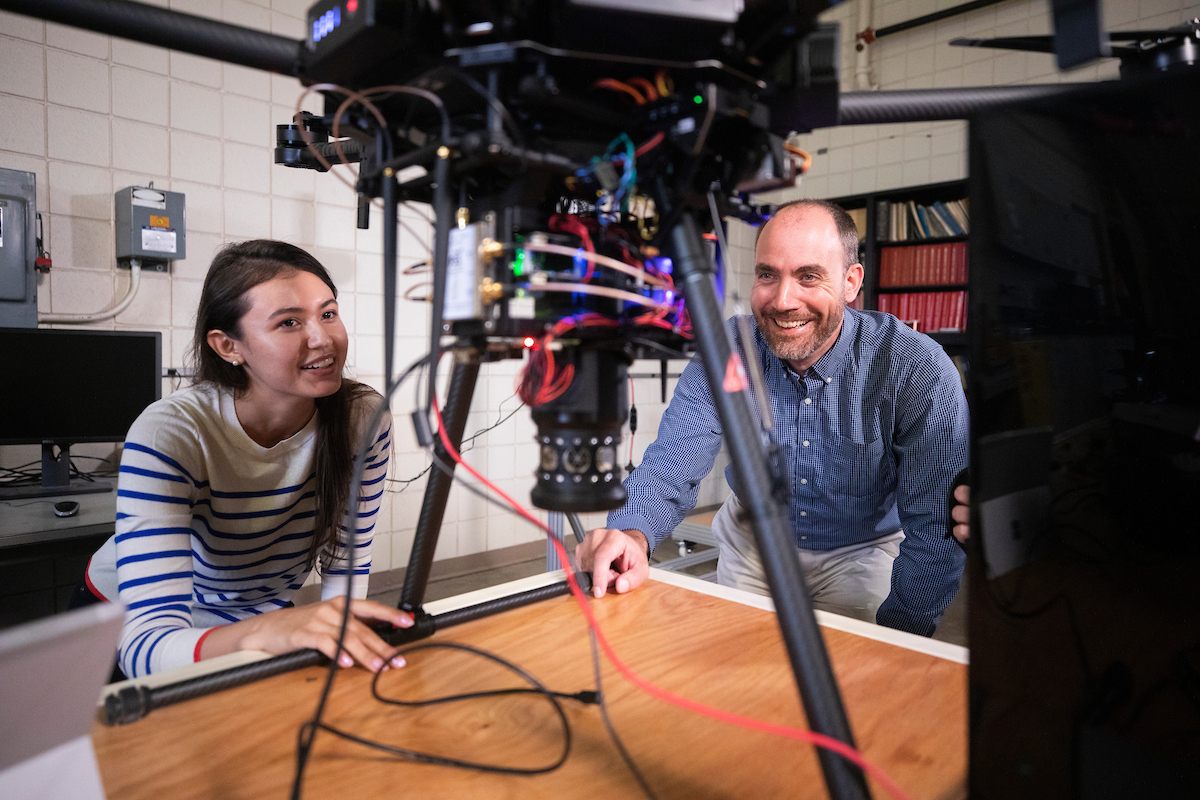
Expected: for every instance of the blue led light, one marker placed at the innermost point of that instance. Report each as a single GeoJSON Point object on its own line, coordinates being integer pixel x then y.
{"type": "Point", "coordinates": [324, 24]}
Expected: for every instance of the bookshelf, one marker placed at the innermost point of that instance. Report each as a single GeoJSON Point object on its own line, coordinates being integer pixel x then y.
{"type": "Point", "coordinates": [914, 256]}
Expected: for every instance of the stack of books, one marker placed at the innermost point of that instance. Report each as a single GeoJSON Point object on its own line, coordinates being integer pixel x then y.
{"type": "Point", "coordinates": [928, 312]}
{"type": "Point", "coordinates": [923, 265]}
{"type": "Point", "coordinates": [908, 220]}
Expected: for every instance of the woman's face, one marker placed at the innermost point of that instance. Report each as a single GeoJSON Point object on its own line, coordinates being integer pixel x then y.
{"type": "Point", "coordinates": [293, 342]}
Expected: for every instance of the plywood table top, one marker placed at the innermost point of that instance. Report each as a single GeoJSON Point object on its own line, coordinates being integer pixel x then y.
{"type": "Point", "coordinates": [907, 709]}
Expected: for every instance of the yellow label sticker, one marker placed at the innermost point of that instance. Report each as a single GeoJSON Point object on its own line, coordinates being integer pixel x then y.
{"type": "Point", "coordinates": [160, 222]}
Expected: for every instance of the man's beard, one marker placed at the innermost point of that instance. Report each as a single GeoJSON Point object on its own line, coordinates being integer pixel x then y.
{"type": "Point", "coordinates": [799, 349]}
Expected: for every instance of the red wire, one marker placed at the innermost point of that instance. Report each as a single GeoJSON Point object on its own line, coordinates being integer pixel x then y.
{"type": "Point", "coordinates": [646, 86]}
{"type": "Point", "coordinates": [818, 739]}
{"type": "Point", "coordinates": [572, 224]}
{"type": "Point", "coordinates": [651, 143]}
{"type": "Point", "coordinates": [618, 86]}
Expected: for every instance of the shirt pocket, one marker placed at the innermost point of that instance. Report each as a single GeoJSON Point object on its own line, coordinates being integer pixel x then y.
{"type": "Point", "coordinates": [859, 471]}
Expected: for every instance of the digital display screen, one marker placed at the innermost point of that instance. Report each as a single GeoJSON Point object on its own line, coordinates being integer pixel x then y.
{"type": "Point", "coordinates": [328, 22]}
{"type": "Point", "coordinates": [76, 386]}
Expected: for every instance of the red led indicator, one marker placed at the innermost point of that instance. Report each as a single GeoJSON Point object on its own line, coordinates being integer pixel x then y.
{"type": "Point", "coordinates": [529, 341]}
{"type": "Point", "coordinates": [352, 6]}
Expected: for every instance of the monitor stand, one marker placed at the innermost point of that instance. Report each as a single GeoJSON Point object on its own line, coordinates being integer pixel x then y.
{"type": "Point", "coordinates": [56, 478]}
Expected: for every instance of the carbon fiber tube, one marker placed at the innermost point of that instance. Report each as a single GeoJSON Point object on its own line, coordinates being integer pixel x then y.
{"type": "Point", "coordinates": [437, 487]}
{"type": "Point", "coordinates": [772, 530]}
{"type": "Point", "coordinates": [926, 105]}
{"type": "Point", "coordinates": [134, 702]}
{"type": "Point", "coordinates": [470, 613]}
{"type": "Point", "coordinates": [165, 28]}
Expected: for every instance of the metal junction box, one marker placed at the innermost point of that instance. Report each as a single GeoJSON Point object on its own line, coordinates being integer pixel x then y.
{"type": "Point", "coordinates": [151, 226]}
{"type": "Point", "coordinates": [18, 239]}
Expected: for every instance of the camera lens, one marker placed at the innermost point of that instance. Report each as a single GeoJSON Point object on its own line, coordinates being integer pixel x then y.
{"type": "Point", "coordinates": [579, 432]}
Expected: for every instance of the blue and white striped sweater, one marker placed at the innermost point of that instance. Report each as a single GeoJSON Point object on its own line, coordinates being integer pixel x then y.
{"type": "Point", "coordinates": [213, 528]}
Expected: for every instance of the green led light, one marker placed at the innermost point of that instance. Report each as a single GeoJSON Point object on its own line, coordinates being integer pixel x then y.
{"type": "Point", "coordinates": [519, 263]}
{"type": "Point", "coordinates": [697, 99]}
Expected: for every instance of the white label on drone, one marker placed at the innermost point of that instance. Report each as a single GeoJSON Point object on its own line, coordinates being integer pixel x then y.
{"type": "Point", "coordinates": [520, 308]}
{"type": "Point", "coordinates": [462, 284]}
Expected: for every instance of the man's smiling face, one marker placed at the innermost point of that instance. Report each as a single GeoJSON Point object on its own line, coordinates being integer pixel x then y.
{"type": "Point", "coordinates": [802, 284]}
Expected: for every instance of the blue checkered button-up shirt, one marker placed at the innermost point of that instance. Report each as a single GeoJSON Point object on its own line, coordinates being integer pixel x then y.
{"type": "Point", "coordinates": [872, 436]}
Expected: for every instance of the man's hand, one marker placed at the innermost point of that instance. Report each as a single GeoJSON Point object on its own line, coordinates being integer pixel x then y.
{"type": "Point", "coordinates": [961, 514]}
{"type": "Point", "coordinates": [614, 558]}
{"type": "Point", "coordinates": [314, 626]}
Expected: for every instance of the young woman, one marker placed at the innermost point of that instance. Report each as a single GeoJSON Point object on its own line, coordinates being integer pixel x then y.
{"type": "Point", "coordinates": [232, 490]}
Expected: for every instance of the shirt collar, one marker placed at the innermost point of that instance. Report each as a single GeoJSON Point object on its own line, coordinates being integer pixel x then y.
{"type": "Point", "coordinates": [828, 366]}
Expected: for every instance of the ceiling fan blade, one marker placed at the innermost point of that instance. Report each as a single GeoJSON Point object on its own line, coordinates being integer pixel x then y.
{"type": "Point", "coordinates": [1031, 44]}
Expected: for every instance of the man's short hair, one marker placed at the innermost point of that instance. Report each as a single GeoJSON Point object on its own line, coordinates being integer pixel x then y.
{"type": "Point", "coordinates": [847, 230]}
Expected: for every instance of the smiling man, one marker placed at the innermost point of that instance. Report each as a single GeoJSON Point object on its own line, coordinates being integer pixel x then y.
{"type": "Point", "coordinates": [872, 421]}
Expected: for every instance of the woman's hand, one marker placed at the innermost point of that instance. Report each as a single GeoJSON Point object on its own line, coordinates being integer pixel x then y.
{"type": "Point", "coordinates": [314, 626]}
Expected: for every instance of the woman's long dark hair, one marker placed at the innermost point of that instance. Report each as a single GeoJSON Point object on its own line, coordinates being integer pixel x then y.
{"type": "Point", "coordinates": [235, 270]}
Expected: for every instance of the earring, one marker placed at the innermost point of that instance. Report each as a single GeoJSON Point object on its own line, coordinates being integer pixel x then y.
{"type": "Point", "coordinates": [235, 362]}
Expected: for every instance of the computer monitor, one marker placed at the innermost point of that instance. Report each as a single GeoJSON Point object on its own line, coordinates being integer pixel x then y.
{"type": "Point", "coordinates": [1084, 560]}
{"type": "Point", "coordinates": [64, 387]}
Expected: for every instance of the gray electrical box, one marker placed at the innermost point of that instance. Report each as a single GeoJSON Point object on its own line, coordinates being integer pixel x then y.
{"type": "Point", "coordinates": [18, 240]}
{"type": "Point", "coordinates": [151, 226]}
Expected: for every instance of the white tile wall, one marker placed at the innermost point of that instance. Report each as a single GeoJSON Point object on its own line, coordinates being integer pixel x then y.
{"type": "Point", "coordinates": [141, 95]}
{"type": "Point", "coordinates": [77, 81]}
{"type": "Point", "coordinates": [89, 115]}
{"type": "Point", "coordinates": [22, 71]}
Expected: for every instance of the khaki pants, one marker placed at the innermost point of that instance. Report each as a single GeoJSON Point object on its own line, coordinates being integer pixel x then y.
{"type": "Point", "coordinates": [852, 581]}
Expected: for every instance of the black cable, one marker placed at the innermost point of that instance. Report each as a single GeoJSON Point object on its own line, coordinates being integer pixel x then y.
{"type": "Point", "coordinates": [428, 758]}
{"type": "Point", "coordinates": [307, 733]}
{"type": "Point", "coordinates": [464, 448]}
{"type": "Point", "coordinates": [612, 731]}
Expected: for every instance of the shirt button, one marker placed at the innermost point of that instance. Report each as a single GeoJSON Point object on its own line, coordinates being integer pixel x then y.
{"type": "Point", "coordinates": [808, 401]}
{"type": "Point", "coordinates": [803, 537]}
{"type": "Point", "coordinates": [806, 442]}
{"type": "Point", "coordinates": [804, 513]}
{"type": "Point", "coordinates": [829, 380]}
{"type": "Point", "coordinates": [804, 480]}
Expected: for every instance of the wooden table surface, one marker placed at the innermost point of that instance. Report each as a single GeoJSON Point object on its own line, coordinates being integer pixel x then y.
{"type": "Point", "coordinates": [907, 710]}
